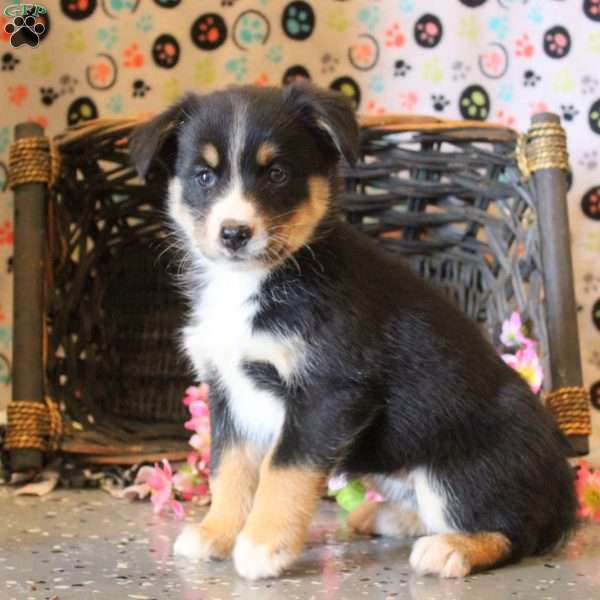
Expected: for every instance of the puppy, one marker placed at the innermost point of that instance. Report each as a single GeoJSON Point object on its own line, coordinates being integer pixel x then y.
{"type": "Point", "coordinates": [325, 354]}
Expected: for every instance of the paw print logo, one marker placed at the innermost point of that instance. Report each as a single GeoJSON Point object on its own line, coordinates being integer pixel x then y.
{"type": "Point", "coordinates": [530, 78]}
{"type": "Point", "coordinates": [140, 88]}
{"type": "Point", "coordinates": [428, 31]}
{"type": "Point", "coordinates": [9, 62]}
{"type": "Point", "coordinates": [209, 31]}
{"type": "Point", "coordinates": [590, 203]}
{"type": "Point", "coordinates": [401, 68]}
{"type": "Point", "coordinates": [591, 9]}
{"type": "Point", "coordinates": [394, 38]}
{"type": "Point", "coordinates": [474, 103]}
{"type": "Point", "coordinates": [524, 47]}
{"type": "Point", "coordinates": [557, 42]}
{"type": "Point", "coordinates": [439, 102]}
{"type": "Point", "coordinates": [594, 116]}
{"type": "Point", "coordinates": [329, 63]}
{"type": "Point", "coordinates": [298, 20]}
{"type": "Point", "coordinates": [165, 51]}
{"type": "Point", "coordinates": [48, 95]}
{"type": "Point", "coordinates": [568, 111]}
{"type": "Point", "coordinates": [24, 31]}
{"type": "Point", "coordinates": [295, 73]}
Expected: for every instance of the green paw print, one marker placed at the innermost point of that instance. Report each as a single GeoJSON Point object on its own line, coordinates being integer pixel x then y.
{"type": "Point", "coordinates": [145, 24]}
{"type": "Point", "coordinates": [298, 20]}
{"type": "Point", "coordinates": [337, 20]}
{"type": "Point", "coordinates": [433, 71]}
{"type": "Point", "coordinates": [118, 5]}
{"type": "Point", "coordinates": [171, 91]}
{"type": "Point", "coordinates": [275, 55]}
{"type": "Point", "coordinates": [562, 81]}
{"type": "Point", "coordinates": [376, 84]}
{"type": "Point", "coordinates": [592, 242]}
{"type": "Point", "coordinates": [40, 63]}
{"type": "Point", "coordinates": [474, 103]}
{"type": "Point", "coordinates": [469, 28]}
{"type": "Point", "coordinates": [593, 42]}
{"type": "Point", "coordinates": [369, 16]}
{"type": "Point", "coordinates": [238, 67]}
{"type": "Point", "coordinates": [107, 36]}
{"type": "Point", "coordinates": [205, 72]}
{"type": "Point", "coordinates": [75, 41]}
{"type": "Point", "coordinates": [252, 30]}
{"type": "Point", "coordinates": [115, 104]}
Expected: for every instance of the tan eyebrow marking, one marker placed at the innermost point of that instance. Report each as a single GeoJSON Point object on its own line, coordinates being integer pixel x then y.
{"type": "Point", "coordinates": [210, 154]}
{"type": "Point", "coordinates": [265, 154]}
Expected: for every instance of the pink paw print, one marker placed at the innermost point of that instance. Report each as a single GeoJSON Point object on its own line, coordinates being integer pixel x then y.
{"type": "Point", "coordinates": [408, 100]}
{"type": "Point", "coordinates": [17, 94]}
{"type": "Point", "coordinates": [133, 57]}
{"type": "Point", "coordinates": [538, 107]}
{"type": "Point", "coordinates": [504, 119]}
{"type": "Point", "coordinates": [374, 108]}
{"type": "Point", "coordinates": [524, 46]}
{"type": "Point", "coordinates": [592, 9]}
{"type": "Point", "coordinates": [394, 38]}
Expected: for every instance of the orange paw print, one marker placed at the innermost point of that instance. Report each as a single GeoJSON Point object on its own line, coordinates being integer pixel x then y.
{"type": "Point", "coordinates": [133, 57]}
{"type": "Point", "coordinates": [524, 46]}
{"type": "Point", "coordinates": [504, 118]}
{"type": "Point", "coordinates": [6, 234]}
{"type": "Point", "coordinates": [374, 109]}
{"type": "Point", "coordinates": [101, 72]}
{"type": "Point", "coordinates": [262, 80]}
{"type": "Point", "coordinates": [17, 94]}
{"type": "Point", "coordinates": [394, 38]}
{"type": "Point", "coordinates": [408, 100]}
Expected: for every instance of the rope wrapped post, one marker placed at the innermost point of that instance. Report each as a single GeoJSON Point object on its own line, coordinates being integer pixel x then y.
{"type": "Point", "coordinates": [28, 313]}
{"type": "Point", "coordinates": [546, 160]}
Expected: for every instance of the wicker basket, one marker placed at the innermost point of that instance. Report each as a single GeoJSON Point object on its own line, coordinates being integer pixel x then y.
{"type": "Point", "coordinates": [454, 198]}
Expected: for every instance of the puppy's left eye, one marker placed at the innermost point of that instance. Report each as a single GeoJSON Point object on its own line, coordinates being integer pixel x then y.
{"type": "Point", "coordinates": [278, 174]}
{"type": "Point", "coordinates": [206, 177]}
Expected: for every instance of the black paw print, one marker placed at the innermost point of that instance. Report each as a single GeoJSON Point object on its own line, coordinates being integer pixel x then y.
{"type": "Point", "coordinates": [24, 31]}
{"type": "Point", "coordinates": [140, 88]}
{"type": "Point", "coordinates": [569, 112]}
{"type": "Point", "coordinates": [439, 102]}
{"type": "Point", "coordinates": [48, 95]}
{"type": "Point", "coordinates": [531, 78]}
{"type": "Point", "coordinates": [329, 63]}
{"type": "Point", "coordinates": [9, 61]}
{"type": "Point", "coordinates": [401, 68]}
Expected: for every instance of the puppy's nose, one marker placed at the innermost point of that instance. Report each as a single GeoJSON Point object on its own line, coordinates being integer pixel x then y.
{"type": "Point", "coordinates": [235, 235]}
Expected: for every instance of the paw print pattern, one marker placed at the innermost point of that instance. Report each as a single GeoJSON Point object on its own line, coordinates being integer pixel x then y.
{"type": "Point", "coordinates": [428, 31]}
{"type": "Point", "coordinates": [168, 3]}
{"type": "Point", "coordinates": [363, 54]}
{"type": "Point", "coordinates": [67, 84]}
{"type": "Point", "coordinates": [375, 109]}
{"type": "Point", "coordinates": [401, 68]}
{"type": "Point", "coordinates": [78, 9]}
{"type": "Point", "coordinates": [460, 70]}
{"type": "Point", "coordinates": [250, 28]}
{"type": "Point", "coordinates": [17, 94]}
{"type": "Point", "coordinates": [376, 83]}
{"type": "Point", "coordinates": [75, 41]}
{"type": "Point", "coordinates": [329, 63]}
{"type": "Point", "coordinates": [503, 118]}
{"type": "Point", "coordinates": [238, 67]}
{"type": "Point", "coordinates": [589, 160]}
{"type": "Point", "coordinates": [568, 111]}
{"type": "Point", "coordinates": [48, 95]}
{"type": "Point", "coordinates": [298, 20]}
{"type": "Point", "coordinates": [408, 100]}
{"type": "Point", "coordinates": [140, 88]}
{"type": "Point", "coordinates": [557, 42]}
{"type": "Point", "coordinates": [594, 116]}
{"type": "Point", "coordinates": [24, 31]}
{"type": "Point", "coordinates": [439, 102]}
{"type": "Point", "coordinates": [349, 87]}
{"type": "Point", "coordinates": [530, 78]}
{"type": "Point", "coordinates": [589, 84]}
{"type": "Point", "coordinates": [209, 31]}
{"type": "Point", "coordinates": [394, 38]}
{"type": "Point", "coordinates": [9, 62]}
{"type": "Point", "coordinates": [133, 57]}
{"type": "Point", "coordinates": [337, 20]}
{"type": "Point", "coordinates": [591, 9]}
{"type": "Point", "coordinates": [524, 47]}
{"type": "Point", "coordinates": [275, 54]}
{"type": "Point", "coordinates": [591, 283]}
{"type": "Point", "coordinates": [115, 104]}
{"type": "Point", "coordinates": [590, 203]}
{"type": "Point", "coordinates": [107, 36]}
{"type": "Point", "coordinates": [145, 24]}
{"type": "Point", "coordinates": [81, 109]}
{"type": "Point", "coordinates": [474, 103]}
{"type": "Point", "coordinates": [369, 16]}
{"type": "Point", "coordinates": [205, 71]}
{"type": "Point", "coordinates": [165, 51]}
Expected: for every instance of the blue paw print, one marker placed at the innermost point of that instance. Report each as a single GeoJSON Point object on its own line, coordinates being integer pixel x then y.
{"type": "Point", "coordinates": [275, 54]}
{"type": "Point", "coordinates": [536, 14]}
{"type": "Point", "coordinates": [118, 5]}
{"type": "Point", "coordinates": [4, 139]}
{"type": "Point", "coordinates": [406, 6]}
{"type": "Point", "coordinates": [298, 20]}
{"type": "Point", "coordinates": [499, 25]}
{"type": "Point", "coordinates": [107, 36]}
{"type": "Point", "coordinates": [376, 84]}
{"type": "Point", "coordinates": [145, 24]}
{"type": "Point", "coordinates": [238, 67]}
{"type": "Point", "coordinates": [369, 16]}
{"type": "Point", "coordinates": [252, 30]}
{"type": "Point", "coordinates": [505, 92]}
{"type": "Point", "coordinates": [115, 104]}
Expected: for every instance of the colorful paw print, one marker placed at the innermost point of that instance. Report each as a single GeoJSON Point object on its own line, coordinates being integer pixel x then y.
{"type": "Point", "coordinates": [428, 31]}
{"type": "Point", "coordinates": [408, 100]}
{"type": "Point", "coordinates": [500, 26]}
{"type": "Point", "coordinates": [439, 102]}
{"type": "Point", "coordinates": [377, 83]}
{"type": "Point", "coordinates": [115, 104]}
{"type": "Point", "coordinates": [17, 94]}
{"type": "Point", "coordinates": [107, 36]}
{"type": "Point", "coordinates": [132, 57]}
{"type": "Point", "coordinates": [369, 16]}
{"type": "Point", "coordinates": [209, 31]}
{"type": "Point", "coordinates": [594, 116]}
{"type": "Point", "coordinates": [262, 80]}
{"type": "Point", "coordinates": [469, 28]}
{"type": "Point", "coordinates": [394, 38]}
{"type": "Point", "coordinates": [238, 67]}
{"type": "Point", "coordinates": [171, 91]}
{"type": "Point", "coordinates": [432, 70]}
{"type": "Point", "coordinates": [145, 23]}
{"type": "Point", "coordinates": [40, 63]}
{"type": "Point", "coordinates": [536, 14]}
{"type": "Point", "coordinates": [524, 47]}
{"type": "Point", "coordinates": [375, 109]}
{"type": "Point", "coordinates": [593, 42]}
{"type": "Point", "coordinates": [401, 68]}
{"type": "Point", "coordinates": [7, 235]}
{"type": "Point", "coordinates": [251, 28]}
{"type": "Point", "coordinates": [298, 20]}
{"type": "Point", "coordinates": [75, 41]}
{"type": "Point", "coordinates": [337, 20]}
{"type": "Point", "coordinates": [205, 71]}
{"type": "Point", "coordinates": [504, 118]}
{"type": "Point", "coordinates": [562, 81]}
{"type": "Point", "coordinates": [275, 54]}
{"type": "Point", "coordinates": [557, 42]}
{"type": "Point", "coordinates": [506, 92]}
{"type": "Point", "coordinates": [474, 103]}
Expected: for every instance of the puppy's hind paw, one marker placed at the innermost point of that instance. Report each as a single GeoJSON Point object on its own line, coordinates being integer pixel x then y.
{"type": "Point", "coordinates": [435, 555]}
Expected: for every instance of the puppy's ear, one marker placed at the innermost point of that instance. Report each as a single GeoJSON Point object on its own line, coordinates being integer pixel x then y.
{"type": "Point", "coordinates": [156, 140]}
{"type": "Point", "coordinates": [330, 114]}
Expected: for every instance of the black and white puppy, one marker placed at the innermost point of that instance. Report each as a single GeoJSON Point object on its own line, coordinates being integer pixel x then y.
{"type": "Point", "coordinates": [325, 354]}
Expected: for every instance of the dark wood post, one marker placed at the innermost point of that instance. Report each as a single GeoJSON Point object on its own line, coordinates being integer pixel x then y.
{"type": "Point", "coordinates": [559, 293]}
{"type": "Point", "coordinates": [28, 291]}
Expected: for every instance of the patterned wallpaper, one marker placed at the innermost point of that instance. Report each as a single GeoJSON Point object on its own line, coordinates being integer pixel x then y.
{"type": "Point", "coordinates": [498, 60]}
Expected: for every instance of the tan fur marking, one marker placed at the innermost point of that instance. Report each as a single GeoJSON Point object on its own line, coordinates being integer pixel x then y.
{"type": "Point", "coordinates": [284, 504]}
{"type": "Point", "coordinates": [210, 154]}
{"type": "Point", "coordinates": [265, 154]}
{"type": "Point", "coordinates": [232, 490]}
{"type": "Point", "coordinates": [362, 518]}
{"type": "Point", "coordinates": [480, 549]}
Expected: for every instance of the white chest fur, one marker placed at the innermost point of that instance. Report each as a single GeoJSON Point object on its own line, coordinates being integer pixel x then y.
{"type": "Point", "coordinates": [220, 337]}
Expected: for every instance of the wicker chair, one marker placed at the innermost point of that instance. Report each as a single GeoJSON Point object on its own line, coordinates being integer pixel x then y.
{"type": "Point", "coordinates": [473, 207]}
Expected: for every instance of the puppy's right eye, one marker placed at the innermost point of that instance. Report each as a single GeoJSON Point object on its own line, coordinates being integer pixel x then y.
{"type": "Point", "coordinates": [206, 177]}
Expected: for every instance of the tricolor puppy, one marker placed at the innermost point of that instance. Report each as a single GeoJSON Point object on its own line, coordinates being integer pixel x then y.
{"type": "Point", "coordinates": [325, 354]}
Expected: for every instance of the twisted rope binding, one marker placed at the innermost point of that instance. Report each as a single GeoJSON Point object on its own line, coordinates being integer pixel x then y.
{"type": "Point", "coordinates": [544, 146]}
{"type": "Point", "coordinates": [33, 160]}
{"type": "Point", "coordinates": [571, 409]}
{"type": "Point", "coordinates": [34, 425]}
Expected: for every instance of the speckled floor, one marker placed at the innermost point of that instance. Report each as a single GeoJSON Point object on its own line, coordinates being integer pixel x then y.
{"type": "Point", "coordinates": [84, 544]}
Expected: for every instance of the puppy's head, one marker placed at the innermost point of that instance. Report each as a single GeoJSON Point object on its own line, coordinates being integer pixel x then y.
{"type": "Point", "coordinates": [250, 168]}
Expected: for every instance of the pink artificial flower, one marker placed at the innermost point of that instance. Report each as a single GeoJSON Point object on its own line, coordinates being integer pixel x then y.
{"type": "Point", "coordinates": [140, 488]}
{"type": "Point", "coordinates": [161, 485]}
{"type": "Point", "coordinates": [587, 487]}
{"type": "Point", "coordinates": [189, 483]}
{"type": "Point", "coordinates": [196, 392]}
{"type": "Point", "coordinates": [527, 363]}
{"type": "Point", "coordinates": [512, 332]}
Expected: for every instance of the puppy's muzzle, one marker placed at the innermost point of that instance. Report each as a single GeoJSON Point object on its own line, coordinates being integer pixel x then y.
{"type": "Point", "coordinates": [234, 235]}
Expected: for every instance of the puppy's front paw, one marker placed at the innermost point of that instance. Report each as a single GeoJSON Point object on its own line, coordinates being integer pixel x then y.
{"type": "Point", "coordinates": [255, 561]}
{"type": "Point", "coordinates": [201, 542]}
{"type": "Point", "coordinates": [435, 555]}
